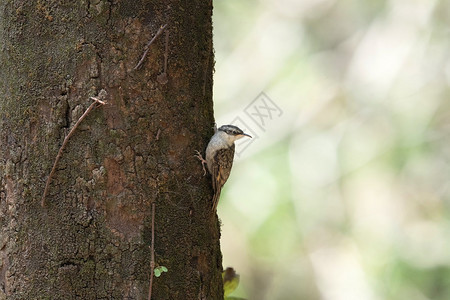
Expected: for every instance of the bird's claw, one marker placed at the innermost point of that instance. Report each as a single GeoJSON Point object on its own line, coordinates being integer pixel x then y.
{"type": "Point", "coordinates": [202, 160]}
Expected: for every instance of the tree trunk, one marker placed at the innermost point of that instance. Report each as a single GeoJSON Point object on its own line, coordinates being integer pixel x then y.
{"type": "Point", "coordinates": [92, 238]}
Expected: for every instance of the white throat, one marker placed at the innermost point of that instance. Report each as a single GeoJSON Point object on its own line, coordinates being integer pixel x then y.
{"type": "Point", "coordinates": [220, 140]}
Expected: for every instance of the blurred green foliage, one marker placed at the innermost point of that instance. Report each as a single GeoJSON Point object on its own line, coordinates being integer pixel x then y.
{"type": "Point", "coordinates": [346, 194]}
{"type": "Point", "coordinates": [230, 282]}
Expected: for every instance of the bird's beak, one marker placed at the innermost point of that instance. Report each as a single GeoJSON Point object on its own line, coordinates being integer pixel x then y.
{"type": "Point", "coordinates": [247, 135]}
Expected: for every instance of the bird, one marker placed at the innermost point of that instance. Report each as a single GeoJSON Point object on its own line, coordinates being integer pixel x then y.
{"type": "Point", "coordinates": [219, 157]}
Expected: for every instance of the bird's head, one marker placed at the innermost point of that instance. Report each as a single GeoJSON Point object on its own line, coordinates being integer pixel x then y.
{"type": "Point", "coordinates": [232, 133]}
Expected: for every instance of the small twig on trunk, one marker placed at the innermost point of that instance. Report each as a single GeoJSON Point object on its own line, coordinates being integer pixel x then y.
{"type": "Point", "coordinates": [152, 250]}
{"type": "Point", "coordinates": [147, 47]}
{"type": "Point", "coordinates": [66, 139]}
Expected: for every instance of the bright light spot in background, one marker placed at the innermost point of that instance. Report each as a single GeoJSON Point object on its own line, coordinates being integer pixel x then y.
{"type": "Point", "coordinates": [339, 273]}
{"type": "Point", "coordinates": [313, 161]}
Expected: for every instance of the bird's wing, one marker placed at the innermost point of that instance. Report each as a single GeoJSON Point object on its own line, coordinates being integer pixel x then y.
{"type": "Point", "coordinates": [223, 161]}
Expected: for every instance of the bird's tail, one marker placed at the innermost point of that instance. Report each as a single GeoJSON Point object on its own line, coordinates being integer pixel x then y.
{"type": "Point", "coordinates": [216, 200]}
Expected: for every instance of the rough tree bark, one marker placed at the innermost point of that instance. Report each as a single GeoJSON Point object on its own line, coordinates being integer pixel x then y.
{"type": "Point", "coordinates": [91, 238]}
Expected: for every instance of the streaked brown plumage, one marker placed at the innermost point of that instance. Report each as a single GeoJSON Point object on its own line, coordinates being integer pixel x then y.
{"type": "Point", "coordinates": [221, 171]}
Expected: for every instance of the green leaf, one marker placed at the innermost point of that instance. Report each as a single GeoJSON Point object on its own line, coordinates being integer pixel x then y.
{"type": "Point", "coordinates": [157, 272]}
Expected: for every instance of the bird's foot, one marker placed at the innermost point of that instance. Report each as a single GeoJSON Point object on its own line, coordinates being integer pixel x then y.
{"type": "Point", "coordinates": [203, 161]}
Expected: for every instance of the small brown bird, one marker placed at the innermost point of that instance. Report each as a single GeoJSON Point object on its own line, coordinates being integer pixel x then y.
{"type": "Point", "coordinates": [219, 157]}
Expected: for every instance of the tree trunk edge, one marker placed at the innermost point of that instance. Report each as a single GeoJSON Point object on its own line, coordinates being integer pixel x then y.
{"type": "Point", "coordinates": [91, 240]}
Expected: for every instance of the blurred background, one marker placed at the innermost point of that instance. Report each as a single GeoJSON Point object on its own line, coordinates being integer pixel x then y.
{"type": "Point", "coordinates": [343, 193]}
